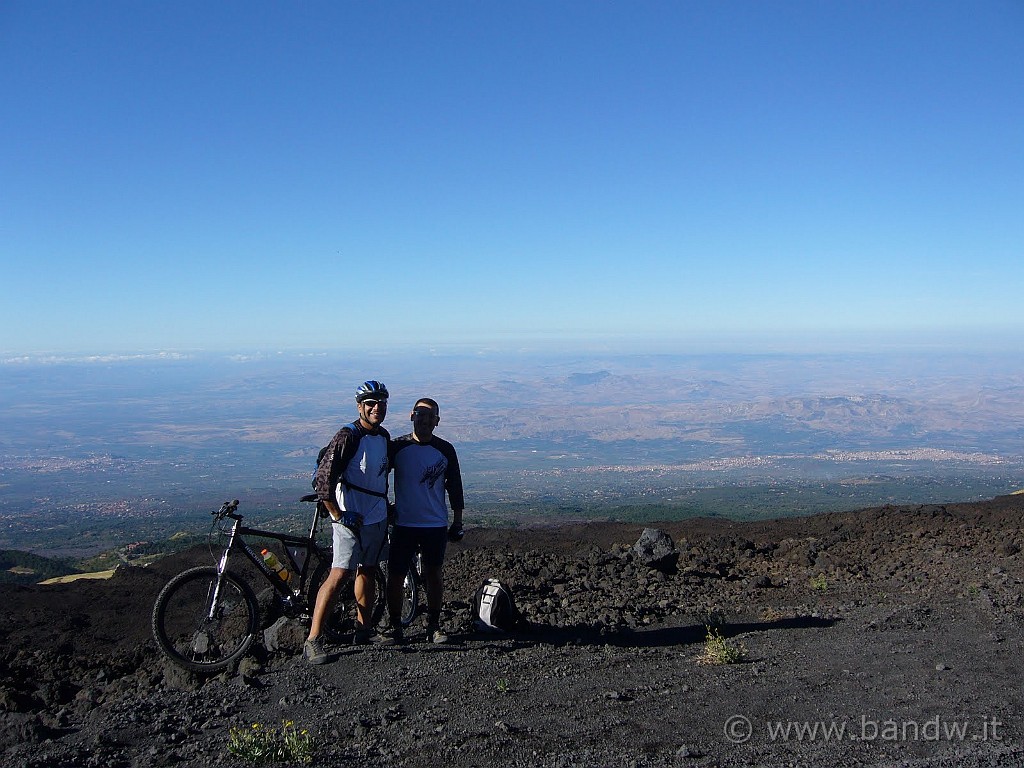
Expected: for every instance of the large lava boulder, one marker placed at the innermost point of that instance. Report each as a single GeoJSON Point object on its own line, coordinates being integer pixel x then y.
{"type": "Point", "coordinates": [655, 549]}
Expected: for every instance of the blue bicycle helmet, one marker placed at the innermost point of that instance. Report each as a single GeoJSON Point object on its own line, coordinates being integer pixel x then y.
{"type": "Point", "coordinates": [371, 390]}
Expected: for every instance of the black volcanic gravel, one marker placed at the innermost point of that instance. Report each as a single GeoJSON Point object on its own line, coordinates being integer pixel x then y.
{"type": "Point", "coordinates": [902, 625]}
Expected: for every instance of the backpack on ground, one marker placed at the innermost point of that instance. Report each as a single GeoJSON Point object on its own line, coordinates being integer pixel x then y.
{"type": "Point", "coordinates": [494, 609]}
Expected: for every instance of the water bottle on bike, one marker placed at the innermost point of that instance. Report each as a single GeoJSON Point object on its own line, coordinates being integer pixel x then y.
{"type": "Point", "coordinates": [275, 565]}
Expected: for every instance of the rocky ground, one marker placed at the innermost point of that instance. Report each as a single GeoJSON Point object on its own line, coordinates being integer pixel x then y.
{"type": "Point", "coordinates": [880, 637]}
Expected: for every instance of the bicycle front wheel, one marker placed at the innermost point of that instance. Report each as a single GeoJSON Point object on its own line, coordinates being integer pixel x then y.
{"type": "Point", "coordinates": [201, 628]}
{"type": "Point", "coordinates": [410, 597]}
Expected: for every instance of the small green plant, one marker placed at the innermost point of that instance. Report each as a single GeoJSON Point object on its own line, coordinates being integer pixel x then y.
{"type": "Point", "coordinates": [260, 745]}
{"type": "Point", "coordinates": [819, 583]}
{"type": "Point", "coordinates": [718, 650]}
{"type": "Point", "coordinates": [502, 685]}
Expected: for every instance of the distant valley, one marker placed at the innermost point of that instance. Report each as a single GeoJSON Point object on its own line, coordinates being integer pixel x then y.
{"type": "Point", "coordinates": [95, 454]}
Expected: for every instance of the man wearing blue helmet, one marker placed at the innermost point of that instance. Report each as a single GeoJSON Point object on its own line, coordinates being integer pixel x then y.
{"type": "Point", "coordinates": [351, 482]}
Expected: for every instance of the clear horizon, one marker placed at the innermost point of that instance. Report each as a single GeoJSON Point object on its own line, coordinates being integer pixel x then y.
{"type": "Point", "coordinates": [670, 176]}
{"type": "Point", "coordinates": [882, 344]}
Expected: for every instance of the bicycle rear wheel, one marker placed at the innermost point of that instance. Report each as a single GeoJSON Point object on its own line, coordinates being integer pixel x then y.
{"type": "Point", "coordinates": [200, 630]}
{"type": "Point", "coordinates": [340, 619]}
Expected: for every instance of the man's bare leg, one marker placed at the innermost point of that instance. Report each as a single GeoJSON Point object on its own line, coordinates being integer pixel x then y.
{"type": "Point", "coordinates": [326, 596]}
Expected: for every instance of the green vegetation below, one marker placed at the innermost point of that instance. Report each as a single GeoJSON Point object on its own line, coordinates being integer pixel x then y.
{"type": "Point", "coordinates": [18, 567]}
{"type": "Point", "coordinates": [141, 552]}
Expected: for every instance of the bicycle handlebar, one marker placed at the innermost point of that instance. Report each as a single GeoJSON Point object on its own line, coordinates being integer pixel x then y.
{"type": "Point", "coordinates": [227, 509]}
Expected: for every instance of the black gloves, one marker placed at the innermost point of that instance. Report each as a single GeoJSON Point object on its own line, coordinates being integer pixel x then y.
{"type": "Point", "coordinates": [456, 532]}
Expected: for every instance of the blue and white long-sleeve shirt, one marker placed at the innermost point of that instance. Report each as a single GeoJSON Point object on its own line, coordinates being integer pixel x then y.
{"type": "Point", "coordinates": [424, 472]}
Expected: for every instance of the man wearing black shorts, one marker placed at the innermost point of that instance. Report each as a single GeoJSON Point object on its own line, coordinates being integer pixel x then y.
{"type": "Point", "coordinates": [425, 468]}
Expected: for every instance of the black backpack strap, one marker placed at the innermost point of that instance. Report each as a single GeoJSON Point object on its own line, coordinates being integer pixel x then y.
{"type": "Point", "coordinates": [367, 491]}
{"type": "Point", "coordinates": [346, 456]}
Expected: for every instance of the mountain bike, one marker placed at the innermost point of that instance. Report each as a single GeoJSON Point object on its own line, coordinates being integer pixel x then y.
{"type": "Point", "coordinates": [206, 618]}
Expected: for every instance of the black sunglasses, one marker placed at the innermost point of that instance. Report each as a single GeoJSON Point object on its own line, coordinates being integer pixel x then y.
{"type": "Point", "coordinates": [374, 403]}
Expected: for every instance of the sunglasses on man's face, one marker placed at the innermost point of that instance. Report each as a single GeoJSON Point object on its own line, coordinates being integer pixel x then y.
{"type": "Point", "coordinates": [422, 412]}
{"type": "Point", "coordinates": [374, 403]}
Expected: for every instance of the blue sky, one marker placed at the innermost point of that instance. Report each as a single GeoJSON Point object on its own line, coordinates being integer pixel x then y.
{"type": "Point", "coordinates": [280, 175]}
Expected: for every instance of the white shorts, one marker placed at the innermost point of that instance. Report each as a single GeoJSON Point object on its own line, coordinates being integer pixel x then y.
{"type": "Point", "coordinates": [350, 552]}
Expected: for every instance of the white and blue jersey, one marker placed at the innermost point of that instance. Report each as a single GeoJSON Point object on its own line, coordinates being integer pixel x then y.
{"type": "Point", "coordinates": [354, 471]}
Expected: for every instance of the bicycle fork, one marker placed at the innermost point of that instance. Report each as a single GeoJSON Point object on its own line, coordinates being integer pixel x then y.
{"type": "Point", "coordinates": [222, 566]}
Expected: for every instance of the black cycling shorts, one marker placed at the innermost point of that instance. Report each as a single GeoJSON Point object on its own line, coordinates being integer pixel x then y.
{"type": "Point", "coordinates": [407, 541]}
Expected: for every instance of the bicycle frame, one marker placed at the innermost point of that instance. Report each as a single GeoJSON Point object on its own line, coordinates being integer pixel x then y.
{"type": "Point", "coordinates": [236, 541]}
{"type": "Point", "coordinates": [207, 617]}
{"type": "Point", "coordinates": [300, 551]}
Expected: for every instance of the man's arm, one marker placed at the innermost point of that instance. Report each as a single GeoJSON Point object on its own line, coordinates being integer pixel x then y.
{"type": "Point", "coordinates": [453, 485]}
{"type": "Point", "coordinates": [332, 509]}
{"type": "Point", "coordinates": [328, 474]}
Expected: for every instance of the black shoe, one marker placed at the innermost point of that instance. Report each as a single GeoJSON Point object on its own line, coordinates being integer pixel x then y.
{"type": "Point", "coordinates": [392, 636]}
{"type": "Point", "coordinates": [363, 635]}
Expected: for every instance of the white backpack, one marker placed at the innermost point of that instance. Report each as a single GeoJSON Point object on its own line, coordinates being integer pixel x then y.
{"type": "Point", "coordinates": [494, 610]}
